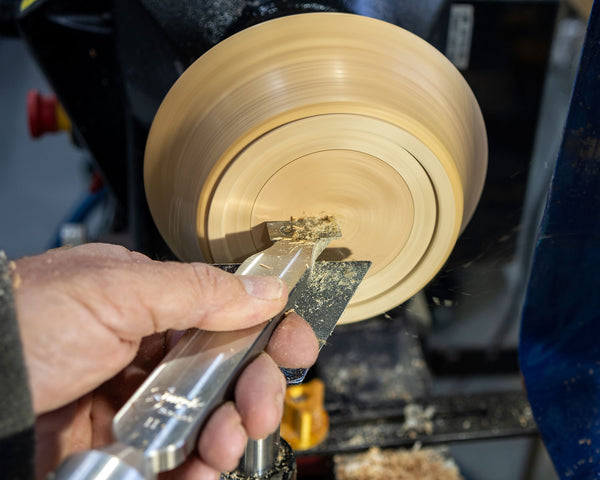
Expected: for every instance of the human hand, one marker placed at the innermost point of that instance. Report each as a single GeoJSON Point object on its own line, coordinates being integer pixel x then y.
{"type": "Point", "coordinates": [96, 319]}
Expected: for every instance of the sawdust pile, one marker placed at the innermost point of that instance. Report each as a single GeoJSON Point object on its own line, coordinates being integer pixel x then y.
{"type": "Point", "coordinates": [313, 228]}
{"type": "Point", "coordinates": [377, 464]}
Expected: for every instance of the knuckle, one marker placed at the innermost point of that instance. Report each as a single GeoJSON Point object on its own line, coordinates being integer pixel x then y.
{"type": "Point", "coordinates": [207, 278]}
{"type": "Point", "coordinates": [137, 257]}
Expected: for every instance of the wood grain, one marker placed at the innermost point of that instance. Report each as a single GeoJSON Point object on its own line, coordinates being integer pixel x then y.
{"type": "Point", "coordinates": [321, 114]}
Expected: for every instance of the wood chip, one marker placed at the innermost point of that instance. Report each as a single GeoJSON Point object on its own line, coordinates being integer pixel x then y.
{"type": "Point", "coordinates": [377, 464]}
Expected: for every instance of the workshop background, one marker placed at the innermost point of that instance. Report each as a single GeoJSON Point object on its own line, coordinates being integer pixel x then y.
{"type": "Point", "coordinates": [50, 194]}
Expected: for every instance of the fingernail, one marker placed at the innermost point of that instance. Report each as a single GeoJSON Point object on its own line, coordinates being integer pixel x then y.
{"type": "Point", "coordinates": [265, 288]}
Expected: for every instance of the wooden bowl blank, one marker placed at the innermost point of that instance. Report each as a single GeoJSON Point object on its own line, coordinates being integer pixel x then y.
{"type": "Point", "coordinates": [321, 114]}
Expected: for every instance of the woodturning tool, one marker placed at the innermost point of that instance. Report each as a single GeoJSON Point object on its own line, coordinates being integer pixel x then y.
{"type": "Point", "coordinates": [301, 116]}
{"type": "Point", "coordinates": [316, 114]}
{"type": "Point", "coordinates": [158, 427]}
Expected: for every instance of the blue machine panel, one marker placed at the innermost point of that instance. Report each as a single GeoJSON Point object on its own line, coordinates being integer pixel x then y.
{"type": "Point", "coordinates": [560, 331]}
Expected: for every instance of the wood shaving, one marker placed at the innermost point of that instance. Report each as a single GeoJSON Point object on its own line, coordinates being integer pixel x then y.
{"type": "Point", "coordinates": [377, 464]}
{"type": "Point", "coordinates": [313, 228]}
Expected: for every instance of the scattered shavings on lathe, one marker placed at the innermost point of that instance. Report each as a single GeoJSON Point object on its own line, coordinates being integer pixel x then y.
{"type": "Point", "coordinates": [377, 464]}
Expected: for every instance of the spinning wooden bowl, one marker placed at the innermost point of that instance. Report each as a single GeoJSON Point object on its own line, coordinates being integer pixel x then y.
{"type": "Point", "coordinates": [321, 114]}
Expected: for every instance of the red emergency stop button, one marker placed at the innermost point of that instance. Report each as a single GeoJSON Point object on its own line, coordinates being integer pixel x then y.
{"type": "Point", "coordinates": [45, 114]}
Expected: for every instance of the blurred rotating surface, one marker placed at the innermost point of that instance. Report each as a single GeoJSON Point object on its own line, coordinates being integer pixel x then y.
{"type": "Point", "coordinates": [321, 114]}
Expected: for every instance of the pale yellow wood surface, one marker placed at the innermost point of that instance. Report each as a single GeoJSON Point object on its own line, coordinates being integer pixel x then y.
{"type": "Point", "coordinates": [319, 114]}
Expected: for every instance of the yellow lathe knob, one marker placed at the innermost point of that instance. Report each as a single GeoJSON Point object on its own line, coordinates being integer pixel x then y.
{"type": "Point", "coordinates": [305, 422]}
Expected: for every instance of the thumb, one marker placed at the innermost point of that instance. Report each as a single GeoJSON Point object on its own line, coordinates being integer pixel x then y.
{"type": "Point", "coordinates": [180, 296]}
